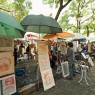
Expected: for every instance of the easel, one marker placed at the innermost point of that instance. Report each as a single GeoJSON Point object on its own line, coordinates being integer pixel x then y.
{"type": "Point", "coordinates": [84, 69]}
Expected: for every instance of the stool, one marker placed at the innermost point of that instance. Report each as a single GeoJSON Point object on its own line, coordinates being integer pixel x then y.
{"type": "Point", "coordinates": [84, 69]}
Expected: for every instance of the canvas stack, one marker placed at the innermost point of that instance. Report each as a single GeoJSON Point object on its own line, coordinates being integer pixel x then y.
{"type": "Point", "coordinates": [44, 65]}
{"type": "Point", "coordinates": [7, 76]}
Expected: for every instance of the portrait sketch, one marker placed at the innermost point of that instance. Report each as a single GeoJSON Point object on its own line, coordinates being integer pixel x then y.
{"type": "Point", "coordinates": [9, 85]}
{"type": "Point", "coordinates": [42, 47]}
{"type": "Point", "coordinates": [6, 63]}
{"type": "Point", "coordinates": [48, 80]}
{"type": "Point", "coordinates": [6, 43]}
{"type": "Point", "coordinates": [65, 69]}
{"type": "Point", "coordinates": [44, 61]}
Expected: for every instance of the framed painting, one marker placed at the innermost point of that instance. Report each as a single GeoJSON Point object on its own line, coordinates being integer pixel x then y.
{"type": "Point", "coordinates": [6, 63]}
{"type": "Point", "coordinates": [42, 47]}
{"type": "Point", "coordinates": [9, 85]}
{"type": "Point", "coordinates": [65, 69]}
{"type": "Point", "coordinates": [6, 43]}
{"type": "Point", "coordinates": [44, 62]}
{"type": "Point", "coordinates": [47, 78]}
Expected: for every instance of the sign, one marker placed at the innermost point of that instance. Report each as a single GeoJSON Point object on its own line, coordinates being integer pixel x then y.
{"type": "Point", "coordinates": [6, 63]}
{"type": "Point", "coordinates": [6, 43]}
{"type": "Point", "coordinates": [42, 48]}
{"type": "Point", "coordinates": [65, 69]}
{"type": "Point", "coordinates": [44, 62]}
{"type": "Point", "coordinates": [9, 85]}
{"type": "Point", "coordinates": [47, 77]}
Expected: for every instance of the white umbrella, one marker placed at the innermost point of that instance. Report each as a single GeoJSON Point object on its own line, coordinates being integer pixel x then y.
{"type": "Point", "coordinates": [78, 36]}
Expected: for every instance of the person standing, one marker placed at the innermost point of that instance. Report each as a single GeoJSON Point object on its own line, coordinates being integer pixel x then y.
{"type": "Point", "coordinates": [21, 50]}
{"type": "Point", "coordinates": [15, 53]}
{"type": "Point", "coordinates": [71, 59]}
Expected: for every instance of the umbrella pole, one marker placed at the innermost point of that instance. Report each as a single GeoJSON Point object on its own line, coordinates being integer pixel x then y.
{"type": "Point", "coordinates": [38, 72]}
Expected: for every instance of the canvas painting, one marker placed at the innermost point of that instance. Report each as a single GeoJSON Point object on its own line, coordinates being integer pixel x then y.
{"type": "Point", "coordinates": [48, 80]}
{"type": "Point", "coordinates": [6, 43]}
{"type": "Point", "coordinates": [9, 85]}
{"type": "Point", "coordinates": [42, 47]}
{"type": "Point", "coordinates": [6, 63]}
{"type": "Point", "coordinates": [65, 69]}
{"type": "Point", "coordinates": [75, 44]}
{"type": "Point", "coordinates": [90, 61]}
{"type": "Point", "coordinates": [44, 61]}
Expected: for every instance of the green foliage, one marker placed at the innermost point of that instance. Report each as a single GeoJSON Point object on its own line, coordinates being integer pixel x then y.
{"type": "Point", "coordinates": [76, 7]}
{"type": "Point", "coordinates": [18, 8]}
{"type": "Point", "coordinates": [51, 2]}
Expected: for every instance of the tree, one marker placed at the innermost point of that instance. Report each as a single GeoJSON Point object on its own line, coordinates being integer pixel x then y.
{"type": "Point", "coordinates": [17, 8]}
{"type": "Point", "coordinates": [59, 3]}
{"type": "Point", "coordinates": [79, 7]}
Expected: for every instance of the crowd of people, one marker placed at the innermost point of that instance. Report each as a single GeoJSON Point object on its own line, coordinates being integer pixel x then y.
{"type": "Point", "coordinates": [58, 52]}
{"type": "Point", "coordinates": [21, 49]}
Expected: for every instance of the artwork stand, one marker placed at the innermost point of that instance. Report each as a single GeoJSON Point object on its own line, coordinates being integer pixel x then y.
{"type": "Point", "coordinates": [44, 66]}
{"type": "Point", "coordinates": [84, 74]}
{"type": "Point", "coordinates": [7, 76]}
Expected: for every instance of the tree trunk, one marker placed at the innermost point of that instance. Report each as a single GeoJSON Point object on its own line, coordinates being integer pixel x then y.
{"type": "Point", "coordinates": [87, 30]}
{"type": "Point", "coordinates": [58, 12]}
{"type": "Point", "coordinates": [61, 7]}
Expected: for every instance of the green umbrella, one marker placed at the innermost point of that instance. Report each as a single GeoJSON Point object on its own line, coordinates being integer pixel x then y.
{"type": "Point", "coordinates": [6, 30]}
{"type": "Point", "coordinates": [40, 24]}
{"type": "Point", "coordinates": [10, 20]}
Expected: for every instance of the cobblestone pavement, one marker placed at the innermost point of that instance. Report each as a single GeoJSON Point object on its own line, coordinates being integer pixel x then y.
{"type": "Point", "coordinates": [71, 87]}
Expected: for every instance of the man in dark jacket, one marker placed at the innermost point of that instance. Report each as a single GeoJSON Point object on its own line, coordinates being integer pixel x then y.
{"type": "Point", "coordinates": [71, 59]}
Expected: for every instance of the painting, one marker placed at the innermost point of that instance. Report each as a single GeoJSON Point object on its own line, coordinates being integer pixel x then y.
{"type": "Point", "coordinates": [48, 80]}
{"type": "Point", "coordinates": [44, 61]}
{"type": "Point", "coordinates": [75, 45]}
{"type": "Point", "coordinates": [90, 61]}
{"type": "Point", "coordinates": [6, 43]}
{"type": "Point", "coordinates": [65, 69]}
{"type": "Point", "coordinates": [9, 85]}
{"type": "Point", "coordinates": [42, 47]}
{"type": "Point", "coordinates": [6, 63]}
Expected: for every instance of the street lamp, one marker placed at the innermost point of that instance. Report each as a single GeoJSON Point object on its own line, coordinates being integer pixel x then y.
{"type": "Point", "coordinates": [79, 22]}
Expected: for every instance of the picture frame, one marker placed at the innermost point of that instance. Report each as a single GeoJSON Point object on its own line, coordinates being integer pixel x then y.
{"type": "Point", "coordinates": [42, 47]}
{"type": "Point", "coordinates": [65, 69]}
{"type": "Point", "coordinates": [9, 84]}
{"type": "Point", "coordinates": [47, 78]}
{"type": "Point", "coordinates": [6, 63]}
{"type": "Point", "coordinates": [6, 43]}
{"type": "Point", "coordinates": [44, 62]}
